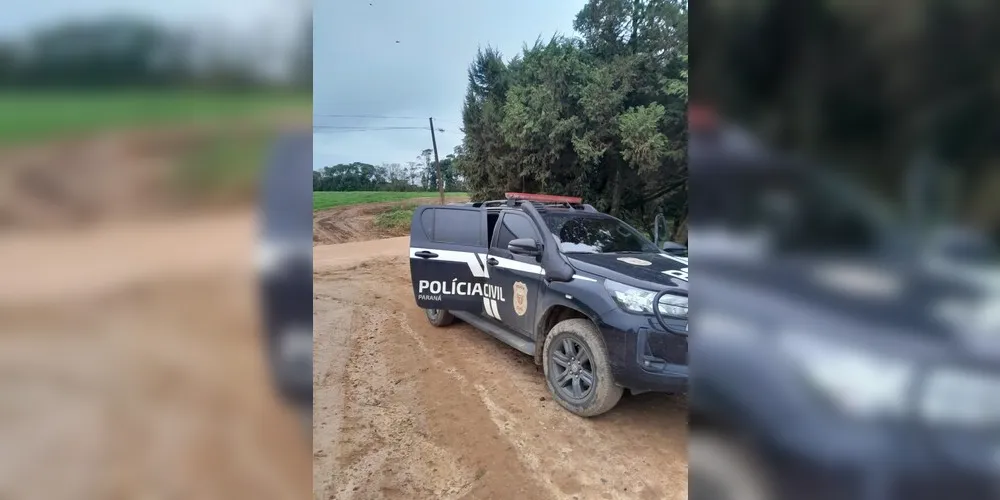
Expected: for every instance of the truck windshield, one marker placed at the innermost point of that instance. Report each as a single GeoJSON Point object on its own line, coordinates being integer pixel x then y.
{"type": "Point", "coordinates": [590, 234]}
{"type": "Point", "coordinates": [796, 208]}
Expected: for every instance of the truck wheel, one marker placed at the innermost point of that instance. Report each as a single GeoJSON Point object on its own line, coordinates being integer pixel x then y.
{"type": "Point", "coordinates": [577, 370]}
{"type": "Point", "coordinates": [721, 469]}
{"type": "Point", "coordinates": [439, 317]}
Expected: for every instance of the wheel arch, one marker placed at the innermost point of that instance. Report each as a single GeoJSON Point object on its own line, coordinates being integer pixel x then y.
{"type": "Point", "coordinates": [553, 315]}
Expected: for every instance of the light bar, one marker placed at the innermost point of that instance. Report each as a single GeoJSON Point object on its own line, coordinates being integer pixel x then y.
{"type": "Point", "coordinates": [702, 117]}
{"type": "Point", "coordinates": [544, 198]}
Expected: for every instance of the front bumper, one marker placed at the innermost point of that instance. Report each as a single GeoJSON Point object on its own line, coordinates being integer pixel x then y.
{"type": "Point", "coordinates": [286, 306]}
{"type": "Point", "coordinates": [903, 463]}
{"type": "Point", "coordinates": [810, 450]}
{"type": "Point", "coordinates": [646, 356]}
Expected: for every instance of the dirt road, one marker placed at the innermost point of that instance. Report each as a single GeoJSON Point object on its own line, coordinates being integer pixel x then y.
{"type": "Point", "coordinates": [357, 222]}
{"type": "Point", "coordinates": [132, 366]}
{"type": "Point", "coordinates": [406, 410]}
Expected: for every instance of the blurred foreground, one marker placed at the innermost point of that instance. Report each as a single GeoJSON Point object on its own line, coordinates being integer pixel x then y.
{"type": "Point", "coordinates": [842, 350]}
{"type": "Point", "coordinates": [131, 146]}
{"type": "Point", "coordinates": [133, 332]}
{"type": "Point", "coordinates": [130, 321]}
{"type": "Point", "coordinates": [844, 240]}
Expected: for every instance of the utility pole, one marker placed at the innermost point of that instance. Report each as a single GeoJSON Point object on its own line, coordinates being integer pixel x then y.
{"type": "Point", "coordinates": [437, 162]}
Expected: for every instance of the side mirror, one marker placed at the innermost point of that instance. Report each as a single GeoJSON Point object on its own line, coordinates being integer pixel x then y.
{"type": "Point", "coordinates": [673, 248]}
{"type": "Point", "coordinates": [524, 246]}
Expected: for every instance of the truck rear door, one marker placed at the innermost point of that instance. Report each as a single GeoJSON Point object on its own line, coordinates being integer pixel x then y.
{"type": "Point", "coordinates": [448, 257]}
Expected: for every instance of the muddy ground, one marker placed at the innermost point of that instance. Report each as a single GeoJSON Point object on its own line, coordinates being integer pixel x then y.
{"type": "Point", "coordinates": [133, 370]}
{"type": "Point", "coordinates": [130, 345]}
{"type": "Point", "coordinates": [349, 223]}
{"type": "Point", "coordinates": [405, 410]}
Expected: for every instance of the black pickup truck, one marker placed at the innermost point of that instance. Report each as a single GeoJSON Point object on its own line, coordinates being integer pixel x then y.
{"type": "Point", "coordinates": [598, 305]}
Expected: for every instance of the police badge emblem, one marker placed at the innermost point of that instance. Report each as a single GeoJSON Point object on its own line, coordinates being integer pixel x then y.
{"type": "Point", "coordinates": [520, 298]}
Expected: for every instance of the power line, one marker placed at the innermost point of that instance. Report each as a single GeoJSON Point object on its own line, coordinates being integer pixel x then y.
{"type": "Point", "coordinates": [381, 117]}
{"type": "Point", "coordinates": [377, 117]}
{"type": "Point", "coordinates": [367, 127]}
{"type": "Point", "coordinates": [362, 128]}
{"type": "Point", "coordinates": [334, 128]}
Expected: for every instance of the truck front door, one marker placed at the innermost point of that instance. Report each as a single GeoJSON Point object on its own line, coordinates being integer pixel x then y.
{"type": "Point", "coordinates": [518, 277]}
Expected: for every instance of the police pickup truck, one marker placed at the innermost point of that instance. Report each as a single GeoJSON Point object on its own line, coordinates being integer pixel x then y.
{"type": "Point", "coordinates": [835, 358]}
{"type": "Point", "coordinates": [559, 281]}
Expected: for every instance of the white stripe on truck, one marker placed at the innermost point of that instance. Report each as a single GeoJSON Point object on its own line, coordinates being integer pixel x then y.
{"type": "Point", "coordinates": [479, 270]}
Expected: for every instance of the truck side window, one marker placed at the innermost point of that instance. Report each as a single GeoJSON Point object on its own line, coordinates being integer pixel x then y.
{"type": "Point", "coordinates": [457, 227]}
{"type": "Point", "coordinates": [512, 227]}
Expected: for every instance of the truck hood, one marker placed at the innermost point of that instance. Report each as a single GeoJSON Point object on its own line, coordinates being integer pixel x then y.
{"type": "Point", "coordinates": [652, 271]}
{"type": "Point", "coordinates": [879, 293]}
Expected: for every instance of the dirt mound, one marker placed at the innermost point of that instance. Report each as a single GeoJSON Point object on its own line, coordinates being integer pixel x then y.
{"type": "Point", "coordinates": [123, 175]}
{"type": "Point", "coordinates": [78, 181]}
{"type": "Point", "coordinates": [357, 222]}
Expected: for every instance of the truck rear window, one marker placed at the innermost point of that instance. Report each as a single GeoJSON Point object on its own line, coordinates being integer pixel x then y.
{"type": "Point", "coordinates": [457, 226]}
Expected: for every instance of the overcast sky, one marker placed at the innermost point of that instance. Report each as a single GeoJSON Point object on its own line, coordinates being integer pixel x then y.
{"type": "Point", "coordinates": [359, 69]}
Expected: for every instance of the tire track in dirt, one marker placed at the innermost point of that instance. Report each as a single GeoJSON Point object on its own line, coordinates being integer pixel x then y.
{"type": "Point", "coordinates": [468, 406]}
{"type": "Point", "coordinates": [398, 422]}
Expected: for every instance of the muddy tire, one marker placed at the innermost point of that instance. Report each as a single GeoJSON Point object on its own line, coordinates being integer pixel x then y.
{"type": "Point", "coordinates": [720, 468]}
{"type": "Point", "coordinates": [577, 369]}
{"type": "Point", "coordinates": [439, 317]}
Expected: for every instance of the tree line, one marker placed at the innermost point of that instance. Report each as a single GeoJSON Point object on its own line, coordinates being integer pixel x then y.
{"type": "Point", "coordinates": [413, 176]}
{"type": "Point", "coordinates": [601, 114]}
{"type": "Point", "coordinates": [878, 89]}
{"type": "Point", "coordinates": [133, 52]}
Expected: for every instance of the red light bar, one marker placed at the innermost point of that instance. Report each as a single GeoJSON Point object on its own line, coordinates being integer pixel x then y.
{"type": "Point", "coordinates": [544, 198]}
{"type": "Point", "coordinates": [702, 117]}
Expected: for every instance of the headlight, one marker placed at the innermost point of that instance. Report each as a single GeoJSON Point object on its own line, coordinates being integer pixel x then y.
{"type": "Point", "coordinates": [640, 301]}
{"type": "Point", "coordinates": [959, 397]}
{"type": "Point", "coordinates": [858, 381]}
{"type": "Point", "coordinates": [271, 255]}
{"type": "Point", "coordinates": [296, 343]}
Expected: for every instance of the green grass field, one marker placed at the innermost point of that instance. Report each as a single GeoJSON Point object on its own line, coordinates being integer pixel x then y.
{"type": "Point", "coordinates": [231, 161]}
{"type": "Point", "coordinates": [395, 218]}
{"type": "Point", "coordinates": [37, 116]}
{"type": "Point", "coordinates": [329, 199]}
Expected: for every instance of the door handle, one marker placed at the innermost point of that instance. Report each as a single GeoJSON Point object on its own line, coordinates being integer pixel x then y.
{"type": "Point", "coordinates": [491, 261]}
{"type": "Point", "coordinates": [424, 254]}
